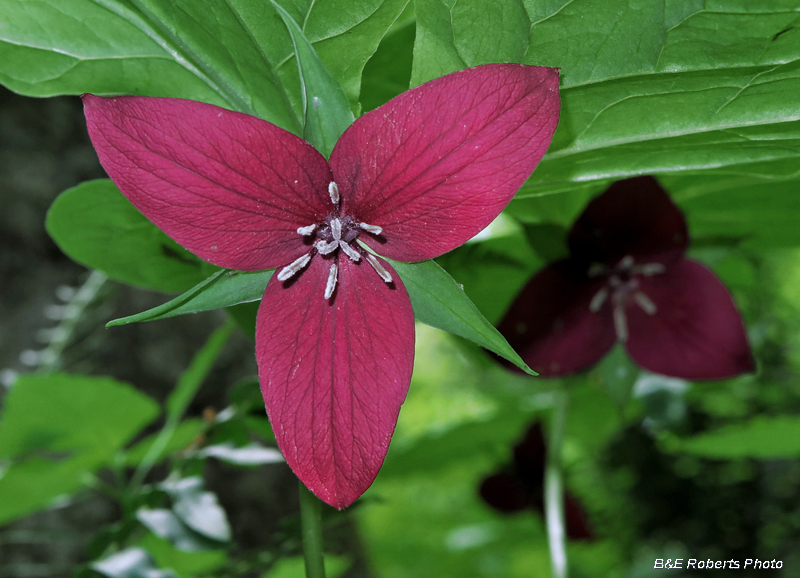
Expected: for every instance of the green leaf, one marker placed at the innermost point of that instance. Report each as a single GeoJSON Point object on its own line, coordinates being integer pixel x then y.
{"type": "Point", "coordinates": [326, 111]}
{"type": "Point", "coordinates": [222, 289]}
{"type": "Point", "coordinates": [83, 421]}
{"type": "Point", "coordinates": [71, 413]}
{"type": "Point", "coordinates": [294, 567]}
{"type": "Point", "coordinates": [388, 72]}
{"type": "Point", "coordinates": [749, 211]}
{"type": "Point", "coordinates": [763, 437]}
{"type": "Point", "coordinates": [183, 435]}
{"type": "Point", "coordinates": [646, 87]}
{"type": "Point", "coordinates": [477, 265]}
{"type": "Point", "coordinates": [98, 227]}
{"type": "Point", "coordinates": [440, 302]}
{"type": "Point", "coordinates": [233, 53]}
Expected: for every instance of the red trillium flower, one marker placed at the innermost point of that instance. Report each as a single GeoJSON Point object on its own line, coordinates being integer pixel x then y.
{"type": "Point", "coordinates": [411, 180]}
{"type": "Point", "coordinates": [520, 486]}
{"type": "Point", "coordinates": [626, 280]}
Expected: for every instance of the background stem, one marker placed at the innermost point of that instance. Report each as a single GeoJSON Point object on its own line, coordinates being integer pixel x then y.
{"type": "Point", "coordinates": [553, 488]}
{"type": "Point", "coordinates": [311, 523]}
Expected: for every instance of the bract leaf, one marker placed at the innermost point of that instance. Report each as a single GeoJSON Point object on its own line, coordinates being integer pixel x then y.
{"type": "Point", "coordinates": [99, 228]}
{"type": "Point", "coordinates": [646, 87]}
{"type": "Point", "coordinates": [222, 289]}
{"type": "Point", "coordinates": [438, 301]}
{"type": "Point", "coordinates": [326, 111]}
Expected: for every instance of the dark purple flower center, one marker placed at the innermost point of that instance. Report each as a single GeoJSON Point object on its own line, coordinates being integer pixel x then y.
{"type": "Point", "coordinates": [332, 234]}
{"type": "Point", "coordinates": [622, 286]}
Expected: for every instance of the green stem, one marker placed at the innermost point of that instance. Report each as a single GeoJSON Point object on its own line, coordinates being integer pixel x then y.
{"type": "Point", "coordinates": [181, 397]}
{"type": "Point", "coordinates": [554, 489]}
{"type": "Point", "coordinates": [311, 522]}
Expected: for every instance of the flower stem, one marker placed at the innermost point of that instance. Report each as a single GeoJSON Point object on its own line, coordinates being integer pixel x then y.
{"type": "Point", "coordinates": [311, 523]}
{"type": "Point", "coordinates": [554, 490]}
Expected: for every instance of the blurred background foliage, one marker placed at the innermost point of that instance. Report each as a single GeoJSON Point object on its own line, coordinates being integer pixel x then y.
{"type": "Point", "coordinates": [143, 451]}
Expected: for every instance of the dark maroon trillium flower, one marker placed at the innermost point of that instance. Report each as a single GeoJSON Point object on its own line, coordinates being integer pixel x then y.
{"type": "Point", "coordinates": [520, 486]}
{"type": "Point", "coordinates": [626, 280]}
{"type": "Point", "coordinates": [412, 179]}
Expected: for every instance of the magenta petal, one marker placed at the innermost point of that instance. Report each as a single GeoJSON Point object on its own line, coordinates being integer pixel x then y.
{"type": "Point", "coordinates": [632, 217]}
{"type": "Point", "coordinates": [550, 323]}
{"type": "Point", "coordinates": [335, 372]}
{"type": "Point", "coordinates": [696, 331]}
{"type": "Point", "coordinates": [438, 163]}
{"type": "Point", "coordinates": [231, 188]}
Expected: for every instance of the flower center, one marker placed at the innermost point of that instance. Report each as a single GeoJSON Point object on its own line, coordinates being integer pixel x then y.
{"type": "Point", "coordinates": [622, 285]}
{"type": "Point", "coordinates": [337, 232]}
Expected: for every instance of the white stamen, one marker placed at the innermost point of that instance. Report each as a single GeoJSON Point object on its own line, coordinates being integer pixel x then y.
{"type": "Point", "coordinates": [598, 300]}
{"type": "Point", "coordinates": [619, 322]}
{"type": "Point", "coordinates": [645, 303]}
{"type": "Point", "coordinates": [294, 267]}
{"type": "Point", "coordinates": [626, 262]}
{"type": "Point", "coordinates": [384, 274]}
{"type": "Point", "coordinates": [332, 275]}
{"type": "Point", "coordinates": [349, 251]}
{"type": "Point", "coordinates": [326, 247]}
{"type": "Point", "coordinates": [649, 269]}
{"type": "Point", "coordinates": [596, 269]}
{"type": "Point", "coordinates": [336, 229]}
{"type": "Point", "coordinates": [306, 231]}
{"type": "Point", "coordinates": [374, 229]}
{"type": "Point", "coordinates": [333, 191]}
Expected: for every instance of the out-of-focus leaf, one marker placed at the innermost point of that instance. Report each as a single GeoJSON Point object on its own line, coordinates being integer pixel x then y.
{"type": "Point", "coordinates": [619, 375]}
{"type": "Point", "coordinates": [223, 289]}
{"type": "Point", "coordinates": [57, 429]}
{"type": "Point", "coordinates": [131, 563]}
{"type": "Point", "coordinates": [71, 413]}
{"type": "Point", "coordinates": [762, 437]}
{"type": "Point", "coordinates": [646, 87]}
{"type": "Point", "coordinates": [183, 435]}
{"type": "Point", "coordinates": [326, 111]}
{"type": "Point", "coordinates": [165, 524]}
{"type": "Point", "coordinates": [294, 567]}
{"type": "Point", "coordinates": [233, 53]}
{"type": "Point", "coordinates": [748, 211]}
{"type": "Point", "coordinates": [184, 564]}
{"type": "Point", "coordinates": [438, 301]}
{"type": "Point", "coordinates": [198, 508]}
{"type": "Point", "coordinates": [249, 455]}
{"type": "Point", "coordinates": [98, 227]}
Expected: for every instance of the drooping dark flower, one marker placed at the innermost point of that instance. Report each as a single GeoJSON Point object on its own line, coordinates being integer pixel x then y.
{"type": "Point", "coordinates": [520, 486]}
{"type": "Point", "coordinates": [411, 180]}
{"type": "Point", "coordinates": [626, 280]}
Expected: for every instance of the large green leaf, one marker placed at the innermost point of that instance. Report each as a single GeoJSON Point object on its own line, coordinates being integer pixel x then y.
{"type": "Point", "coordinates": [98, 227]}
{"type": "Point", "coordinates": [56, 429]}
{"type": "Point", "coordinates": [233, 53]}
{"type": "Point", "coordinates": [646, 86]}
